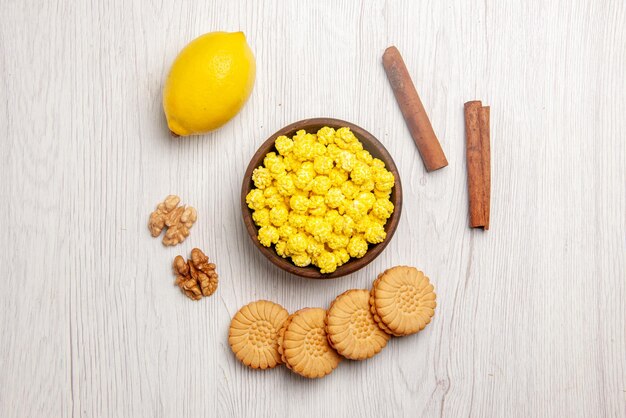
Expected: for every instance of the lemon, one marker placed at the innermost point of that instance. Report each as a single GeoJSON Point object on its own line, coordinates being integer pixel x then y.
{"type": "Point", "coordinates": [209, 82]}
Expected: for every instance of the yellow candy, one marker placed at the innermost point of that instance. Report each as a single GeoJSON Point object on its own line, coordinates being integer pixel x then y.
{"type": "Point", "coordinates": [270, 191]}
{"type": "Point", "coordinates": [331, 216]}
{"type": "Point", "coordinates": [281, 247]}
{"type": "Point", "coordinates": [384, 180]}
{"type": "Point", "coordinates": [278, 169]}
{"type": "Point", "coordinates": [368, 186]}
{"type": "Point", "coordinates": [342, 207]}
{"type": "Point", "coordinates": [344, 225]}
{"type": "Point", "coordinates": [362, 224]}
{"type": "Point", "coordinates": [345, 160]}
{"type": "Point", "coordinates": [334, 198]}
{"type": "Point", "coordinates": [356, 209]}
{"type": "Point", "coordinates": [303, 149]}
{"type": "Point", "coordinates": [270, 159]}
{"type": "Point", "coordinates": [320, 185]}
{"type": "Point", "coordinates": [327, 262]}
{"type": "Point", "coordinates": [377, 220]}
{"type": "Point", "coordinates": [380, 194]}
{"type": "Point", "coordinates": [319, 228]}
{"type": "Point", "coordinates": [382, 208]}
{"type": "Point", "coordinates": [375, 233]}
{"type": "Point", "coordinates": [349, 190]}
{"type": "Point", "coordinates": [268, 235]}
{"type": "Point", "coordinates": [285, 231]}
{"type": "Point", "coordinates": [355, 147]}
{"type": "Point", "coordinates": [368, 199]}
{"type": "Point", "coordinates": [319, 149]}
{"type": "Point", "coordinates": [314, 248]}
{"type": "Point", "coordinates": [338, 176]}
{"type": "Point", "coordinates": [285, 185]}
{"type": "Point", "coordinates": [326, 135]}
{"type": "Point", "coordinates": [297, 220]}
{"type": "Point", "coordinates": [299, 203]}
{"type": "Point", "coordinates": [297, 243]}
{"type": "Point", "coordinates": [338, 241]}
{"type": "Point", "coordinates": [299, 135]}
{"type": "Point", "coordinates": [344, 139]}
{"type": "Point", "coordinates": [261, 217]}
{"type": "Point", "coordinates": [274, 201]}
{"type": "Point", "coordinates": [255, 199]}
{"type": "Point", "coordinates": [301, 260]}
{"type": "Point", "coordinates": [361, 172]}
{"type": "Point", "coordinates": [321, 198]}
{"type": "Point", "coordinates": [342, 256]}
{"type": "Point", "coordinates": [345, 134]}
{"type": "Point", "coordinates": [378, 163]}
{"type": "Point", "coordinates": [364, 156]}
{"type": "Point", "coordinates": [333, 151]}
{"type": "Point", "coordinates": [291, 163]}
{"type": "Point", "coordinates": [300, 192]}
{"type": "Point", "coordinates": [323, 164]}
{"type": "Point", "coordinates": [304, 176]}
{"type": "Point", "coordinates": [283, 144]}
{"type": "Point", "coordinates": [317, 207]}
{"type": "Point", "coordinates": [279, 215]}
{"type": "Point", "coordinates": [357, 247]}
{"type": "Point", "coordinates": [262, 177]}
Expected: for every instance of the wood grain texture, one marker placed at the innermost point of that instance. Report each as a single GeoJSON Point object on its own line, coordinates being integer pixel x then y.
{"type": "Point", "coordinates": [531, 316]}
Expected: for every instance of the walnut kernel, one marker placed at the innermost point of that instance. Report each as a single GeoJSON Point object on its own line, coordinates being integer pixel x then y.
{"type": "Point", "coordinates": [159, 216]}
{"type": "Point", "coordinates": [177, 219]}
{"type": "Point", "coordinates": [196, 277]}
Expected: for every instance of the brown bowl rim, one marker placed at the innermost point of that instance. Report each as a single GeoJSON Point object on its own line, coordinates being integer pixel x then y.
{"type": "Point", "coordinates": [371, 144]}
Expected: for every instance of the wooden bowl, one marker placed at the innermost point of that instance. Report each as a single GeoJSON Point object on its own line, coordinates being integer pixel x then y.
{"type": "Point", "coordinates": [375, 148]}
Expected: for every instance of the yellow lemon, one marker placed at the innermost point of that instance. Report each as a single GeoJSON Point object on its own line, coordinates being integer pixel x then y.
{"type": "Point", "coordinates": [209, 82]}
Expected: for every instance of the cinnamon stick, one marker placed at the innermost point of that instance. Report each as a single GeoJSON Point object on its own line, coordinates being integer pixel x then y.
{"type": "Point", "coordinates": [483, 124]}
{"type": "Point", "coordinates": [413, 110]}
{"type": "Point", "coordinates": [478, 163]}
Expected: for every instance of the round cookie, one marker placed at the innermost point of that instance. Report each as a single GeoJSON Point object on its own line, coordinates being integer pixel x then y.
{"type": "Point", "coordinates": [305, 347]}
{"type": "Point", "coordinates": [351, 327]}
{"type": "Point", "coordinates": [402, 300]}
{"type": "Point", "coordinates": [253, 334]}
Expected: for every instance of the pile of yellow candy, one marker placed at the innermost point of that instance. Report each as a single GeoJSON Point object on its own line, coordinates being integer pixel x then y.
{"type": "Point", "coordinates": [322, 199]}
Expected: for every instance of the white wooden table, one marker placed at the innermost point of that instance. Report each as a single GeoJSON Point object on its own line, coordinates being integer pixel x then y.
{"type": "Point", "coordinates": [531, 315]}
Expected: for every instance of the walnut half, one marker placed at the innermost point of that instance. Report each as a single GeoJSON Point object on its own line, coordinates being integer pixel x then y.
{"type": "Point", "coordinates": [177, 219]}
{"type": "Point", "coordinates": [196, 277]}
